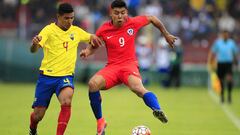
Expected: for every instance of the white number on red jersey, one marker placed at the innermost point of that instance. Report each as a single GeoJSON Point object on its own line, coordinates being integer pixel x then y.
{"type": "Point", "coordinates": [121, 41]}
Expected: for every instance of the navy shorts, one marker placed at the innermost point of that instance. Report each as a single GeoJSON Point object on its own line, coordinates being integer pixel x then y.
{"type": "Point", "coordinates": [47, 86]}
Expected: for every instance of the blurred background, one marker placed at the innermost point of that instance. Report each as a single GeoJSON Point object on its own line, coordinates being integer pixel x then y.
{"type": "Point", "coordinates": [179, 77]}
{"type": "Point", "coordinates": [196, 23]}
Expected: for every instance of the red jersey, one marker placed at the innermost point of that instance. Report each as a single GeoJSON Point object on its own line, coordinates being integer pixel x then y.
{"type": "Point", "coordinates": [120, 41]}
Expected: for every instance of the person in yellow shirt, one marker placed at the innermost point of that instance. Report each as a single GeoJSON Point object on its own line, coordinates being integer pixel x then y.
{"type": "Point", "coordinates": [59, 42]}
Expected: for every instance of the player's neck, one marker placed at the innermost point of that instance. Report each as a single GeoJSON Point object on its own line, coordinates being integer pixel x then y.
{"type": "Point", "coordinates": [61, 26]}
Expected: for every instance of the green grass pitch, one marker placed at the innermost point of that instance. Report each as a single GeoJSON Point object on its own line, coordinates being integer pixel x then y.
{"type": "Point", "coordinates": [191, 111]}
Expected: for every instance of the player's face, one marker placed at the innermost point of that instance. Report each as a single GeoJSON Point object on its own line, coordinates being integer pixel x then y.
{"type": "Point", "coordinates": [119, 16]}
{"type": "Point", "coordinates": [65, 21]}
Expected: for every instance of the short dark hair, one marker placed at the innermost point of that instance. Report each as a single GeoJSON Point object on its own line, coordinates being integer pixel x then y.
{"type": "Point", "coordinates": [65, 8]}
{"type": "Point", "coordinates": [118, 4]}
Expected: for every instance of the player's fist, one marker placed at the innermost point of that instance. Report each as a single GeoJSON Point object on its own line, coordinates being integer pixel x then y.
{"type": "Point", "coordinates": [84, 53]}
{"type": "Point", "coordinates": [95, 41]}
{"type": "Point", "coordinates": [36, 40]}
{"type": "Point", "coordinates": [171, 40]}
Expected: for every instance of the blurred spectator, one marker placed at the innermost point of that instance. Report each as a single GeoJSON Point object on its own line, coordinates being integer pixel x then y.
{"type": "Point", "coordinates": [163, 61]}
{"type": "Point", "coordinates": [133, 6]}
{"type": "Point", "coordinates": [172, 22]}
{"type": "Point", "coordinates": [176, 55]}
{"type": "Point", "coordinates": [144, 54]}
{"type": "Point", "coordinates": [197, 4]}
{"type": "Point", "coordinates": [190, 25]}
{"type": "Point", "coordinates": [234, 8]}
{"type": "Point", "coordinates": [152, 8]}
{"type": "Point", "coordinates": [8, 10]}
{"type": "Point", "coordinates": [8, 18]}
{"type": "Point", "coordinates": [42, 13]}
{"type": "Point", "coordinates": [226, 22]}
{"type": "Point", "coordinates": [194, 21]}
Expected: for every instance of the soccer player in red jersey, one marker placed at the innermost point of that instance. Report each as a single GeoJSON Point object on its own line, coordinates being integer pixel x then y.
{"type": "Point", "coordinates": [122, 67]}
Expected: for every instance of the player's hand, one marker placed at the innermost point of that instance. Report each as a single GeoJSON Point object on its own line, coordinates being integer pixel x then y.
{"type": "Point", "coordinates": [84, 53]}
{"type": "Point", "coordinates": [95, 41]}
{"type": "Point", "coordinates": [36, 40]}
{"type": "Point", "coordinates": [35, 43]}
{"type": "Point", "coordinates": [171, 40]}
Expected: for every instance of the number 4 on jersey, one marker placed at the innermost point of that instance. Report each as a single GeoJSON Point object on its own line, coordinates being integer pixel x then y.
{"type": "Point", "coordinates": [65, 45]}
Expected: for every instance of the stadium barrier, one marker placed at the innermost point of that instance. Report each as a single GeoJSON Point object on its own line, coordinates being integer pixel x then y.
{"type": "Point", "coordinates": [19, 65]}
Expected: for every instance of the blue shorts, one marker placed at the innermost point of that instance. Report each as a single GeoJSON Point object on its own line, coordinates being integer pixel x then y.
{"type": "Point", "coordinates": [47, 86]}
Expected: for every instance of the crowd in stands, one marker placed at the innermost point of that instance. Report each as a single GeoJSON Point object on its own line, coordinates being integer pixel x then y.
{"type": "Point", "coordinates": [194, 21]}
{"type": "Point", "coordinates": [8, 12]}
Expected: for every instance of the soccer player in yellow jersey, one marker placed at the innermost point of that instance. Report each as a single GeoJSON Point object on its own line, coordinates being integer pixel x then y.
{"type": "Point", "coordinates": [59, 42]}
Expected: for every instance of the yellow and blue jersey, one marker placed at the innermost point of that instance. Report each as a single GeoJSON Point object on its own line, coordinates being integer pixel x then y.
{"type": "Point", "coordinates": [60, 49]}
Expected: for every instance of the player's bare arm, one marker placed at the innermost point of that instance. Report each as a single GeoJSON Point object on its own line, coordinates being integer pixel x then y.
{"type": "Point", "coordinates": [157, 23]}
{"type": "Point", "coordinates": [95, 41]}
{"type": "Point", "coordinates": [35, 44]}
{"type": "Point", "coordinates": [88, 51]}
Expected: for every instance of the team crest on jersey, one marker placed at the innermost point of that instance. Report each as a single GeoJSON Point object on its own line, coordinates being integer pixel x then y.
{"type": "Point", "coordinates": [71, 36]}
{"type": "Point", "coordinates": [130, 31]}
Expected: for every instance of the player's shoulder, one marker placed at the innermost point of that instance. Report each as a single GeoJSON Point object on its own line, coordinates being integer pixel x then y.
{"type": "Point", "coordinates": [50, 26]}
{"type": "Point", "coordinates": [137, 18]}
